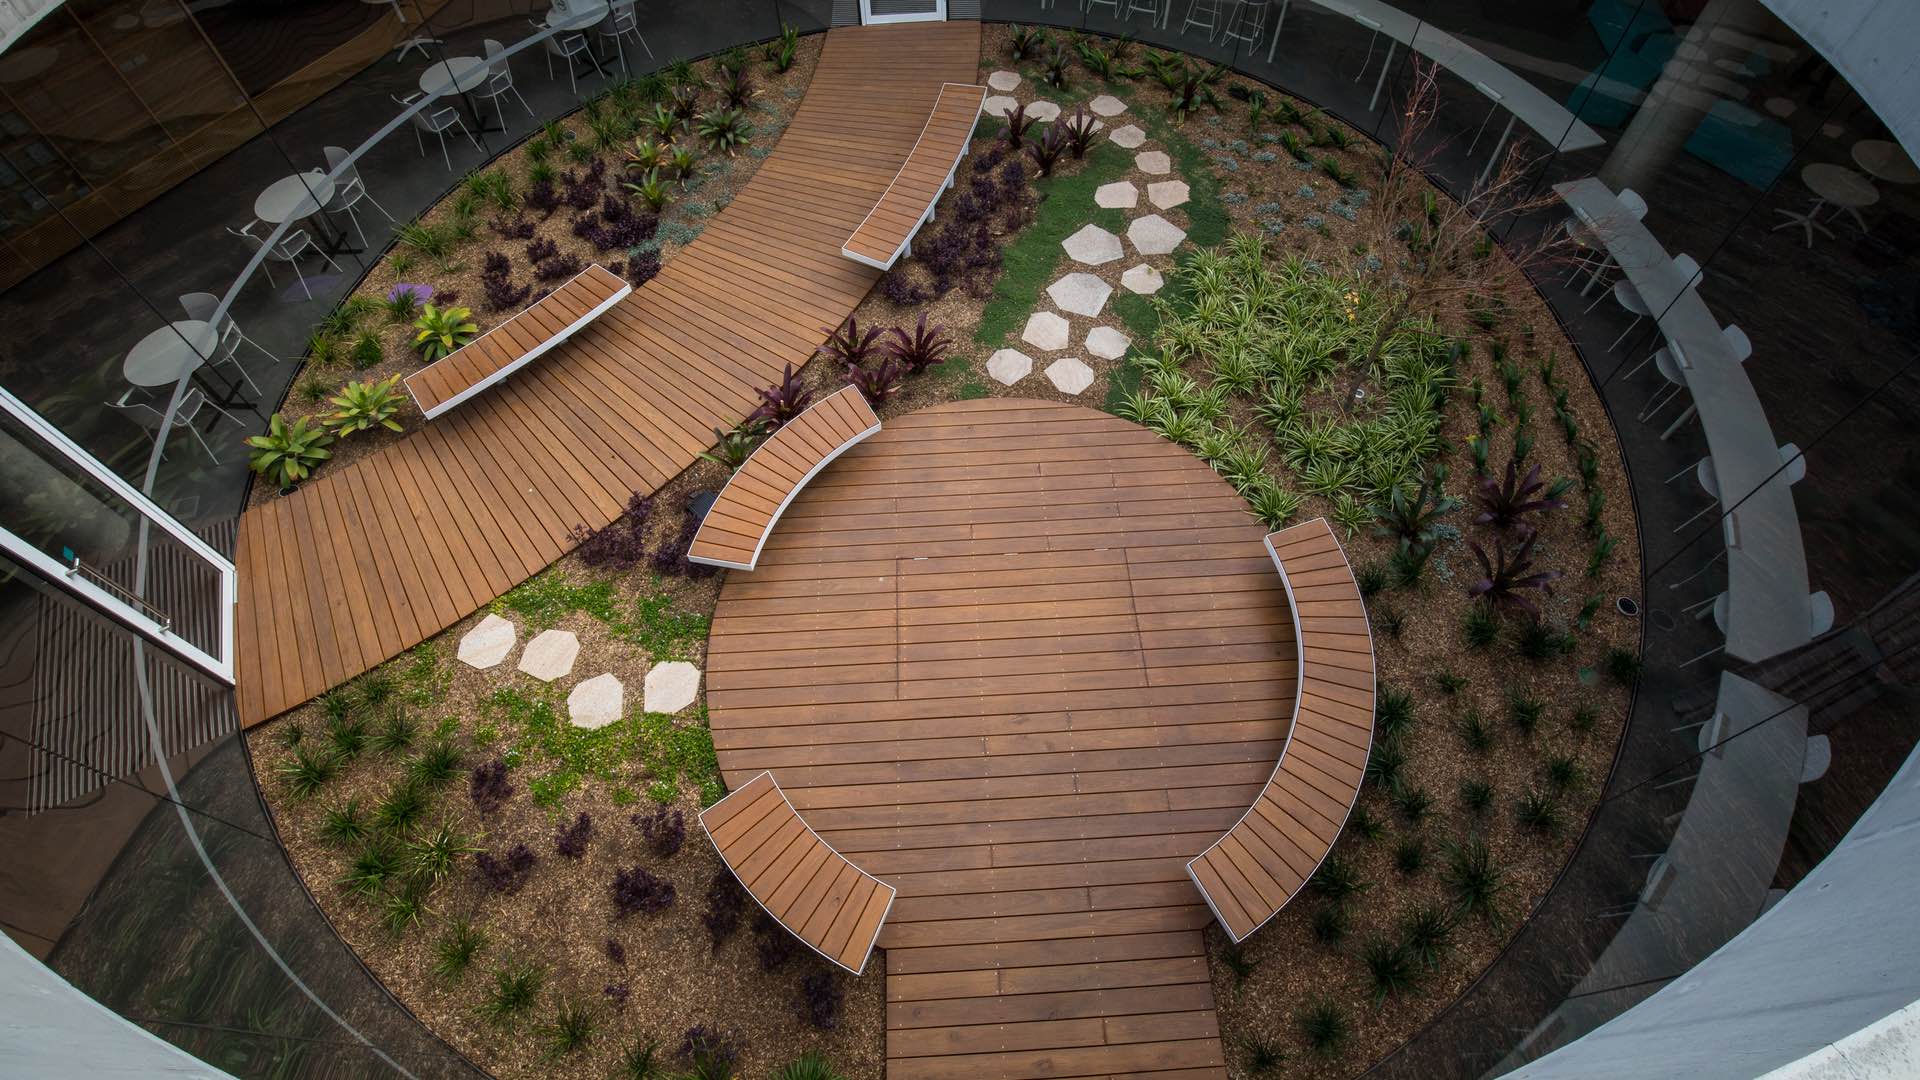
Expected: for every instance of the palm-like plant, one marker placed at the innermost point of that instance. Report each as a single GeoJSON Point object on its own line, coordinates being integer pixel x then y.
{"type": "Point", "coordinates": [921, 349]}
{"type": "Point", "coordinates": [368, 404]}
{"type": "Point", "coordinates": [732, 448]}
{"type": "Point", "coordinates": [442, 330]}
{"type": "Point", "coordinates": [651, 191]}
{"type": "Point", "coordinates": [1506, 504]}
{"type": "Point", "coordinates": [1415, 519]}
{"type": "Point", "coordinates": [1079, 128]}
{"type": "Point", "coordinates": [1507, 576]}
{"type": "Point", "coordinates": [646, 156]}
{"type": "Point", "coordinates": [288, 453]}
{"type": "Point", "coordinates": [1046, 150]}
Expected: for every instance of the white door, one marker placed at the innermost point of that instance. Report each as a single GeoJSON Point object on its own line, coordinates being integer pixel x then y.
{"type": "Point", "coordinates": [892, 11]}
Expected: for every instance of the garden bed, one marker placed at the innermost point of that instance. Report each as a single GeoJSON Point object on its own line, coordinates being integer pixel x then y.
{"type": "Point", "coordinates": [1524, 716]}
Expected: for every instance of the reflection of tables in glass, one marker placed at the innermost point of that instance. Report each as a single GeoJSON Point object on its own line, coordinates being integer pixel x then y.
{"type": "Point", "coordinates": [1766, 559]}
{"type": "Point", "coordinates": [1525, 103]}
{"type": "Point", "coordinates": [1832, 185]}
{"type": "Point", "coordinates": [458, 75]}
{"type": "Point", "coordinates": [302, 195]}
{"type": "Point", "coordinates": [168, 354]}
{"type": "Point", "coordinates": [1885, 160]}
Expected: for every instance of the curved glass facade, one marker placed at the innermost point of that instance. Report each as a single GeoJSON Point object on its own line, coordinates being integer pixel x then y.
{"type": "Point", "coordinates": [135, 136]}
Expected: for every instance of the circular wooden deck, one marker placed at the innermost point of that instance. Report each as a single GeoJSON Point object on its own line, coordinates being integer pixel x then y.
{"type": "Point", "coordinates": [1020, 660]}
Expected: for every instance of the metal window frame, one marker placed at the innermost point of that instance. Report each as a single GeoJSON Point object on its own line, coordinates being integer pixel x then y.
{"type": "Point", "coordinates": [104, 600]}
{"type": "Point", "coordinates": [868, 18]}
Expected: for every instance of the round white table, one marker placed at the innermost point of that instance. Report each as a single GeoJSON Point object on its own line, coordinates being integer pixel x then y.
{"type": "Point", "coordinates": [297, 196]}
{"type": "Point", "coordinates": [1885, 160]}
{"type": "Point", "coordinates": [162, 357]}
{"type": "Point", "coordinates": [579, 15]}
{"type": "Point", "coordinates": [27, 63]}
{"type": "Point", "coordinates": [1847, 191]}
{"type": "Point", "coordinates": [456, 74]}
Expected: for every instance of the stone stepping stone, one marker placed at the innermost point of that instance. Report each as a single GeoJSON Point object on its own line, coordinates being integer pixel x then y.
{"type": "Point", "coordinates": [1069, 375]}
{"type": "Point", "coordinates": [1009, 366]}
{"type": "Point", "coordinates": [550, 655]}
{"type": "Point", "coordinates": [1046, 331]}
{"type": "Point", "coordinates": [1107, 343]}
{"type": "Point", "coordinates": [670, 687]}
{"type": "Point", "coordinates": [1093, 246]}
{"type": "Point", "coordinates": [1081, 294]}
{"type": "Point", "coordinates": [1107, 105]}
{"type": "Point", "coordinates": [1167, 194]}
{"type": "Point", "coordinates": [1154, 162]}
{"type": "Point", "coordinates": [1142, 279]}
{"type": "Point", "coordinates": [1155, 235]}
{"type": "Point", "coordinates": [1120, 195]}
{"type": "Point", "coordinates": [487, 644]}
{"type": "Point", "coordinates": [998, 105]}
{"type": "Point", "coordinates": [1044, 111]}
{"type": "Point", "coordinates": [1004, 81]}
{"type": "Point", "coordinates": [1129, 137]}
{"type": "Point", "coordinates": [597, 702]}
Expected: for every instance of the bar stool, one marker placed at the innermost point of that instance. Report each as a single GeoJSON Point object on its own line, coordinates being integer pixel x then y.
{"type": "Point", "coordinates": [1819, 618]}
{"type": "Point", "coordinates": [1667, 362]}
{"type": "Point", "coordinates": [1248, 23]}
{"type": "Point", "coordinates": [1630, 300]}
{"type": "Point", "coordinates": [1793, 468]}
{"type": "Point", "coordinates": [1593, 258]}
{"type": "Point", "coordinates": [1195, 9]}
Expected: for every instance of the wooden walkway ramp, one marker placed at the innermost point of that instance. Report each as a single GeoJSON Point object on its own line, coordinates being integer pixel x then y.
{"type": "Point", "coordinates": [1020, 660]}
{"type": "Point", "coordinates": [368, 560]}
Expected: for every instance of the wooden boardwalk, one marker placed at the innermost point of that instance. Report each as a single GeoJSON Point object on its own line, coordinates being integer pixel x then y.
{"type": "Point", "coordinates": [1022, 661]}
{"type": "Point", "coordinates": [368, 560]}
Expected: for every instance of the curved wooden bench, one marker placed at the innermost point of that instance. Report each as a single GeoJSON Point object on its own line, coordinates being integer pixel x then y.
{"type": "Point", "coordinates": [1250, 873]}
{"type": "Point", "coordinates": [887, 232]}
{"type": "Point", "coordinates": [514, 344]}
{"type": "Point", "coordinates": [826, 901]}
{"type": "Point", "coordinates": [737, 525]}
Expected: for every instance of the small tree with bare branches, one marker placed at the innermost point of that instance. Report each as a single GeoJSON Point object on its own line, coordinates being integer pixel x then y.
{"type": "Point", "coordinates": [1448, 244]}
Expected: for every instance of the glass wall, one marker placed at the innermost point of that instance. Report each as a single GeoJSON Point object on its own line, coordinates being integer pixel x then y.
{"type": "Point", "coordinates": [1772, 463]}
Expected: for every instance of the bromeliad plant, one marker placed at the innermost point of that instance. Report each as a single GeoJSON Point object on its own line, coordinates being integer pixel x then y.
{"type": "Point", "coordinates": [726, 130]}
{"type": "Point", "coordinates": [732, 448]}
{"type": "Point", "coordinates": [288, 453]}
{"type": "Point", "coordinates": [1079, 128]}
{"type": "Point", "coordinates": [783, 400]}
{"type": "Point", "coordinates": [1507, 576]}
{"type": "Point", "coordinates": [847, 347]}
{"type": "Point", "coordinates": [646, 156]}
{"type": "Point", "coordinates": [442, 330]}
{"type": "Point", "coordinates": [1506, 505]}
{"type": "Point", "coordinates": [363, 405]}
{"type": "Point", "coordinates": [1046, 149]}
{"type": "Point", "coordinates": [1018, 124]}
{"type": "Point", "coordinates": [779, 52]}
{"type": "Point", "coordinates": [876, 384]}
{"type": "Point", "coordinates": [920, 350]}
{"type": "Point", "coordinates": [1415, 520]}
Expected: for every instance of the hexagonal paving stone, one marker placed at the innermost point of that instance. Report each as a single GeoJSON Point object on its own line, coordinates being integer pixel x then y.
{"type": "Point", "coordinates": [1107, 105]}
{"type": "Point", "coordinates": [670, 687]}
{"type": "Point", "coordinates": [1046, 331]}
{"type": "Point", "coordinates": [1093, 246]}
{"type": "Point", "coordinates": [1081, 294]}
{"type": "Point", "coordinates": [1154, 235]}
{"type": "Point", "coordinates": [1107, 343]}
{"type": "Point", "coordinates": [1129, 137]}
{"type": "Point", "coordinates": [1119, 195]}
{"type": "Point", "coordinates": [1167, 194]}
{"type": "Point", "coordinates": [1069, 375]}
{"type": "Point", "coordinates": [550, 655]}
{"type": "Point", "coordinates": [488, 643]}
{"type": "Point", "coordinates": [1009, 366]}
{"type": "Point", "coordinates": [1154, 162]}
{"type": "Point", "coordinates": [1043, 111]}
{"type": "Point", "coordinates": [1004, 81]}
{"type": "Point", "coordinates": [1143, 279]}
{"type": "Point", "coordinates": [597, 702]}
{"type": "Point", "coordinates": [998, 105]}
